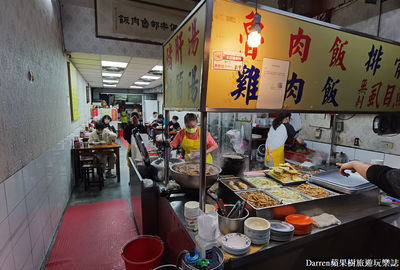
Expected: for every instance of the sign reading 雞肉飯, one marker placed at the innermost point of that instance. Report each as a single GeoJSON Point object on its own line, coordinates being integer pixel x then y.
{"type": "Point", "coordinates": [136, 21]}
{"type": "Point", "coordinates": [183, 64]}
{"type": "Point", "coordinates": [330, 69]}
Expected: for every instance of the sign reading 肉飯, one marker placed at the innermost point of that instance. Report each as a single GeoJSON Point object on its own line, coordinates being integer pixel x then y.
{"type": "Point", "coordinates": [183, 64]}
{"type": "Point", "coordinates": [330, 70]}
{"type": "Point", "coordinates": [136, 21]}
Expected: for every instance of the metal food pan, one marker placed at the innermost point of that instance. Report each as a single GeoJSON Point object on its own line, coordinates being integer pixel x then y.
{"type": "Point", "coordinates": [284, 183]}
{"type": "Point", "coordinates": [262, 190]}
{"type": "Point", "coordinates": [339, 188]}
{"type": "Point", "coordinates": [226, 181]}
{"type": "Point", "coordinates": [267, 178]}
{"type": "Point", "coordinates": [333, 193]}
{"type": "Point", "coordinates": [309, 198]}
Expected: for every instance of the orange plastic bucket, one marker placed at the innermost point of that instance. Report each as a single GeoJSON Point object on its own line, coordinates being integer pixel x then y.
{"type": "Point", "coordinates": [143, 253]}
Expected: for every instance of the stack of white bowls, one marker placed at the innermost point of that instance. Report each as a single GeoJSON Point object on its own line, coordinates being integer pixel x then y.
{"type": "Point", "coordinates": [191, 212]}
{"type": "Point", "coordinates": [257, 229]}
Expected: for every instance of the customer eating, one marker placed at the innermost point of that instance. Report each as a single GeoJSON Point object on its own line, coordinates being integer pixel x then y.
{"type": "Point", "coordinates": [102, 136]}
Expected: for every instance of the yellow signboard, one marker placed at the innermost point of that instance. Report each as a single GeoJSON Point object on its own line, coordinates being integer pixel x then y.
{"type": "Point", "coordinates": [73, 92]}
{"type": "Point", "coordinates": [329, 69]}
{"type": "Point", "coordinates": [183, 64]}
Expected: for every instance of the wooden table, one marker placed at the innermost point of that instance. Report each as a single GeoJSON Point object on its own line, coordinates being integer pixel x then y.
{"type": "Point", "coordinates": [76, 152]}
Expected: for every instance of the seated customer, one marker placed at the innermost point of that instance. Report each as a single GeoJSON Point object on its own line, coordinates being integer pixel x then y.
{"type": "Point", "coordinates": [158, 122]}
{"type": "Point", "coordinates": [173, 124]}
{"type": "Point", "coordinates": [106, 121]}
{"type": "Point", "coordinates": [106, 136]}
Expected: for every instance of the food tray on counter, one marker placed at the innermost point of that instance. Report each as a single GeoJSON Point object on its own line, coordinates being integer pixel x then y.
{"type": "Point", "coordinates": [262, 182]}
{"type": "Point", "coordinates": [268, 174]}
{"type": "Point", "coordinates": [315, 187]}
{"type": "Point", "coordinates": [269, 199]}
{"type": "Point", "coordinates": [288, 195]}
{"type": "Point", "coordinates": [237, 182]}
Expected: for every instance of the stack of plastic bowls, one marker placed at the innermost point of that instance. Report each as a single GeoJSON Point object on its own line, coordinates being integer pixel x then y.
{"type": "Point", "coordinates": [191, 212]}
{"type": "Point", "coordinates": [257, 229]}
{"type": "Point", "coordinates": [302, 224]}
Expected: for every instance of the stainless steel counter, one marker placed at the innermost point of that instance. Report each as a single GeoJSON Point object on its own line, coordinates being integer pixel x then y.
{"type": "Point", "coordinates": [354, 211]}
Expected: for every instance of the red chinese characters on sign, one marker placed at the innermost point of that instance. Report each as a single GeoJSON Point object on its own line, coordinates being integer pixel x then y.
{"type": "Point", "coordinates": [178, 47]}
{"type": "Point", "coordinates": [194, 40]}
{"type": "Point", "coordinates": [397, 102]}
{"type": "Point", "coordinates": [169, 56]}
{"type": "Point", "coordinates": [374, 95]}
{"type": "Point", "coordinates": [250, 51]}
{"type": "Point", "coordinates": [361, 94]}
{"type": "Point", "coordinates": [388, 95]}
{"type": "Point", "coordinates": [338, 53]}
{"type": "Point", "coordinates": [299, 44]}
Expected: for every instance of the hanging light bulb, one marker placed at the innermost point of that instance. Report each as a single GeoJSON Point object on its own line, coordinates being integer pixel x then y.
{"type": "Point", "coordinates": [254, 38]}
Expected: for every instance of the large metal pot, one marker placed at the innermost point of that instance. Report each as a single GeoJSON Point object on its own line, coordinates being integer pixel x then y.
{"type": "Point", "coordinates": [193, 181]}
{"type": "Point", "coordinates": [159, 165]}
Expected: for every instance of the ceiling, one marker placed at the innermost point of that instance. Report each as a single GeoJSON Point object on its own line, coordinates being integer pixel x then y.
{"type": "Point", "coordinates": [89, 65]}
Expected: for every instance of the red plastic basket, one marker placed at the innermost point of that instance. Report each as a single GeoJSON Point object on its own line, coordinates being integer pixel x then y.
{"type": "Point", "coordinates": [299, 157]}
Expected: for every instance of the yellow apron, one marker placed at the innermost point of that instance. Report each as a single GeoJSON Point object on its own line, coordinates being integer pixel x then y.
{"type": "Point", "coordinates": [188, 145]}
{"type": "Point", "coordinates": [278, 155]}
{"type": "Point", "coordinates": [124, 117]}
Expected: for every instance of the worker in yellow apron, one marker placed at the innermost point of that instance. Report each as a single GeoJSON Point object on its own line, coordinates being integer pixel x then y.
{"type": "Point", "coordinates": [190, 139]}
{"type": "Point", "coordinates": [124, 119]}
{"type": "Point", "coordinates": [279, 132]}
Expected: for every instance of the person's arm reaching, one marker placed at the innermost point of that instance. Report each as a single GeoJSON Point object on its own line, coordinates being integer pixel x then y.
{"type": "Point", "coordinates": [355, 166]}
{"type": "Point", "coordinates": [386, 178]}
{"type": "Point", "coordinates": [211, 144]}
{"type": "Point", "coordinates": [212, 149]}
{"type": "Point", "coordinates": [178, 139]}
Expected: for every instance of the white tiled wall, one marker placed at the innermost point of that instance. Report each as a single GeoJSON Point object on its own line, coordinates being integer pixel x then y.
{"type": "Point", "coordinates": [31, 204]}
{"type": "Point", "coordinates": [392, 161]}
{"type": "Point", "coordinates": [367, 156]}
{"type": "Point", "coordinates": [357, 154]}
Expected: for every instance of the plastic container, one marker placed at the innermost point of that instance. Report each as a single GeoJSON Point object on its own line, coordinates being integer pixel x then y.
{"type": "Point", "coordinates": [299, 157]}
{"type": "Point", "coordinates": [143, 253]}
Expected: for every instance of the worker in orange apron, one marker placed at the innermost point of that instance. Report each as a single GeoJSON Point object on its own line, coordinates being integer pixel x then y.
{"type": "Point", "coordinates": [279, 132]}
{"type": "Point", "coordinates": [190, 139]}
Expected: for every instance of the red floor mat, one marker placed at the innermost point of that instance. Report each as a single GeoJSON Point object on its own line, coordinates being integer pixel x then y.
{"type": "Point", "coordinates": [91, 236]}
{"type": "Point", "coordinates": [125, 142]}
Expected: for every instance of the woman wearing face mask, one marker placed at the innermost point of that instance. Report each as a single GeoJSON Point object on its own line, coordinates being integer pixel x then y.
{"type": "Point", "coordinates": [190, 139]}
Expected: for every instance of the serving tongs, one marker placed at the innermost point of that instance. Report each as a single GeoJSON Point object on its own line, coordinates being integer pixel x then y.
{"type": "Point", "coordinates": [237, 210]}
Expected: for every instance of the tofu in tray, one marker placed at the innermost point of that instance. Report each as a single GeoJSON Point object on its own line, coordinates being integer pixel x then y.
{"type": "Point", "coordinates": [285, 174]}
{"type": "Point", "coordinates": [262, 182]}
{"type": "Point", "coordinates": [237, 184]}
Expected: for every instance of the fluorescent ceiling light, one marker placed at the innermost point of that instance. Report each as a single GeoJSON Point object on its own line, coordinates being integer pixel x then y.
{"type": "Point", "coordinates": [113, 64]}
{"type": "Point", "coordinates": [157, 68]}
{"type": "Point", "coordinates": [135, 87]}
{"type": "Point", "coordinates": [150, 77]}
{"type": "Point", "coordinates": [110, 81]}
{"type": "Point", "coordinates": [109, 85]}
{"type": "Point", "coordinates": [111, 74]}
{"type": "Point", "coordinates": [142, 83]}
